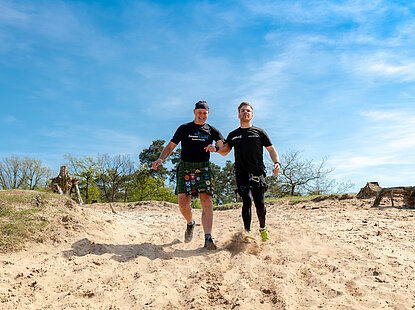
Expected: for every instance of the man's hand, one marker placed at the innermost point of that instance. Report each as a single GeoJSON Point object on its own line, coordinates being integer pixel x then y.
{"type": "Point", "coordinates": [210, 148]}
{"type": "Point", "coordinates": [277, 167]}
{"type": "Point", "coordinates": [157, 163]}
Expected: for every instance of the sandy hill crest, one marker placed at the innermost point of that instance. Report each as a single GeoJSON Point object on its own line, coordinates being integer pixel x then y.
{"type": "Point", "coordinates": [329, 254]}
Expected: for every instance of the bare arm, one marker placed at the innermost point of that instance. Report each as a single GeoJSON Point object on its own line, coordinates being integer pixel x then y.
{"type": "Point", "coordinates": [225, 149]}
{"type": "Point", "coordinates": [164, 154]}
{"type": "Point", "coordinates": [275, 159]}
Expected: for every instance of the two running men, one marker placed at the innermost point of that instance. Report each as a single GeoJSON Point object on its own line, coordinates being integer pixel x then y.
{"type": "Point", "coordinates": [195, 178]}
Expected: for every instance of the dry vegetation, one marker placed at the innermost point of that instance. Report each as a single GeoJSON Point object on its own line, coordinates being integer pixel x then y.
{"type": "Point", "coordinates": [32, 216]}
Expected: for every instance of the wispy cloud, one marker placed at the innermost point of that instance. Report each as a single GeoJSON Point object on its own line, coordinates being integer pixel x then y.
{"type": "Point", "coordinates": [315, 11]}
{"type": "Point", "coordinates": [9, 119]}
{"type": "Point", "coordinates": [386, 65]}
{"type": "Point", "coordinates": [384, 147]}
{"type": "Point", "coordinates": [12, 14]}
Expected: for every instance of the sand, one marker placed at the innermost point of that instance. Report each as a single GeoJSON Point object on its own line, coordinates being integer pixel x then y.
{"type": "Point", "coordinates": [332, 254]}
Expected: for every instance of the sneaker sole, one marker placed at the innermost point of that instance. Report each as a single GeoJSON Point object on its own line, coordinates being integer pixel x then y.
{"type": "Point", "coordinates": [211, 247]}
{"type": "Point", "coordinates": [248, 239]}
{"type": "Point", "coordinates": [188, 237]}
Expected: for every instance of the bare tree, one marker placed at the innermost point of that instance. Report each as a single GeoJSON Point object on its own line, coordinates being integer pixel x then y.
{"type": "Point", "coordinates": [23, 173]}
{"type": "Point", "coordinates": [35, 173]}
{"type": "Point", "coordinates": [304, 175]}
{"type": "Point", "coordinates": [11, 173]}
{"type": "Point", "coordinates": [344, 187]}
{"type": "Point", "coordinates": [321, 184]}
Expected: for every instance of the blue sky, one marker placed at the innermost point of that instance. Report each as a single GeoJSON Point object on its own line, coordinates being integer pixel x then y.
{"type": "Point", "coordinates": [332, 79]}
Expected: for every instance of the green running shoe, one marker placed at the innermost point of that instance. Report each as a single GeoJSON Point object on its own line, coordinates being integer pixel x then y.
{"type": "Point", "coordinates": [247, 236]}
{"type": "Point", "coordinates": [264, 234]}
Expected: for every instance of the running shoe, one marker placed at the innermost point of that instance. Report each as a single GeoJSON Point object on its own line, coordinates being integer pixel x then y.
{"type": "Point", "coordinates": [264, 234]}
{"type": "Point", "coordinates": [209, 244]}
{"type": "Point", "coordinates": [247, 236]}
{"type": "Point", "coordinates": [188, 235]}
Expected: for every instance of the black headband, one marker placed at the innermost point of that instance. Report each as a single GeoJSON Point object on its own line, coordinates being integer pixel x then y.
{"type": "Point", "coordinates": [201, 105]}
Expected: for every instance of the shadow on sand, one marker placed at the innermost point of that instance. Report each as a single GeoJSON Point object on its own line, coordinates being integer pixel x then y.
{"type": "Point", "coordinates": [382, 207]}
{"type": "Point", "coordinates": [127, 252]}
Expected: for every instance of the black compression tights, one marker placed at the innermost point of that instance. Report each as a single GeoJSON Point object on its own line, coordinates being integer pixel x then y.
{"type": "Point", "coordinates": [256, 194]}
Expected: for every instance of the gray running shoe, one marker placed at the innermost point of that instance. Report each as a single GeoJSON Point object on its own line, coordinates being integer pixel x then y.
{"type": "Point", "coordinates": [188, 235]}
{"type": "Point", "coordinates": [209, 244]}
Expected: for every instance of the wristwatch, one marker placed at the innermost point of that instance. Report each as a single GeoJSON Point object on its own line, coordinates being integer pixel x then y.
{"type": "Point", "coordinates": [217, 148]}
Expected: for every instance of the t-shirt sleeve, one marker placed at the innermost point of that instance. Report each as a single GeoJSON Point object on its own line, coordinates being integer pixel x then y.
{"type": "Point", "coordinates": [217, 135]}
{"type": "Point", "coordinates": [229, 140]}
{"type": "Point", "coordinates": [178, 135]}
{"type": "Point", "coordinates": [266, 141]}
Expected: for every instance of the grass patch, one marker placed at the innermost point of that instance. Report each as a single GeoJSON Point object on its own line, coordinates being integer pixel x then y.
{"type": "Point", "coordinates": [17, 226]}
{"type": "Point", "coordinates": [19, 219]}
{"type": "Point", "coordinates": [301, 199]}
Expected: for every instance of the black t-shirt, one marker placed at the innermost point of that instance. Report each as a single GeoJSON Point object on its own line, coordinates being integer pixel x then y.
{"type": "Point", "coordinates": [248, 144]}
{"type": "Point", "coordinates": [194, 138]}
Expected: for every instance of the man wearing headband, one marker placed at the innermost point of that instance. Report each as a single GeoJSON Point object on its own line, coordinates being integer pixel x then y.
{"type": "Point", "coordinates": [248, 142]}
{"type": "Point", "coordinates": [194, 176]}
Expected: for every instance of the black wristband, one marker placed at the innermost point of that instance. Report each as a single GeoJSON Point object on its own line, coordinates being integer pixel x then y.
{"type": "Point", "coordinates": [217, 148]}
{"type": "Point", "coordinates": [277, 162]}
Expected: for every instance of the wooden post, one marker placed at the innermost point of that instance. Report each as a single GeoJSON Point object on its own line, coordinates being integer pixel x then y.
{"type": "Point", "coordinates": [79, 195]}
{"type": "Point", "coordinates": [59, 189]}
{"type": "Point", "coordinates": [408, 193]}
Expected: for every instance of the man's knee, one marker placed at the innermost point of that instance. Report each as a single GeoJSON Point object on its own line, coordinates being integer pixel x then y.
{"type": "Point", "coordinates": [245, 193]}
{"type": "Point", "coordinates": [184, 201]}
{"type": "Point", "coordinates": [206, 201]}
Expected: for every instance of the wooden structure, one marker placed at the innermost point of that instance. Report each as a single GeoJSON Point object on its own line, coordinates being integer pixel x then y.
{"type": "Point", "coordinates": [64, 184]}
{"type": "Point", "coordinates": [370, 190]}
{"type": "Point", "coordinates": [407, 192]}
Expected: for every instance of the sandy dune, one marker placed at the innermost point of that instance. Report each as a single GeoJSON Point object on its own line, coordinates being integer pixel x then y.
{"type": "Point", "coordinates": [332, 254]}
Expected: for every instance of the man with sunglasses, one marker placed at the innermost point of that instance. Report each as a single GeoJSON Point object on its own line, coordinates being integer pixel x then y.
{"type": "Point", "coordinates": [194, 175]}
{"type": "Point", "coordinates": [248, 142]}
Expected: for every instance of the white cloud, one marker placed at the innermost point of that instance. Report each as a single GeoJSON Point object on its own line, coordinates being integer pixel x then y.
{"type": "Point", "coordinates": [10, 14]}
{"type": "Point", "coordinates": [381, 65]}
{"type": "Point", "coordinates": [315, 11]}
{"type": "Point", "coordinates": [9, 119]}
{"type": "Point", "coordinates": [114, 142]}
{"type": "Point", "coordinates": [383, 148]}
{"type": "Point", "coordinates": [405, 71]}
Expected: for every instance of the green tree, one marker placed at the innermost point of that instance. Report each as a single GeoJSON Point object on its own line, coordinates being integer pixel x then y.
{"type": "Point", "coordinates": [174, 158]}
{"type": "Point", "coordinates": [145, 186]}
{"type": "Point", "coordinates": [112, 172]}
{"type": "Point", "coordinates": [86, 170]}
{"type": "Point", "coordinates": [225, 183]}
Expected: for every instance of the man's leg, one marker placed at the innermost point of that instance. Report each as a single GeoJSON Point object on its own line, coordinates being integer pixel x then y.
{"type": "Point", "coordinates": [207, 219]}
{"type": "Point", "coordinates": [185, 208]}
{"type": "Point", "coordinates": [258, 194]}
{"type": "Point", "coordinates": [245, 193]}
{"type": "Point", "coordinates": [207, 212]}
